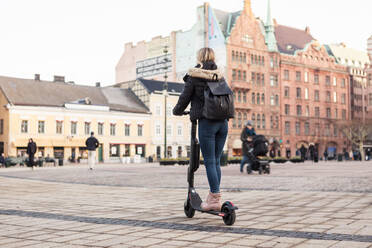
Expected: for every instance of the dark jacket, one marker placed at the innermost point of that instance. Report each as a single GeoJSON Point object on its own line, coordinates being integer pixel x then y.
{"type": "Point", "coordinates": [31, 148]}
{"type": "Point", "coordinates": [195, 82]}
{"type": "Point", "coordinates": [244, 138]}
{"type": "Point", "coordinates": [92, 143]}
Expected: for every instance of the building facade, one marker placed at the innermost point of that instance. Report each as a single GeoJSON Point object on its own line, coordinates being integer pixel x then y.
{"type": "Point", "coordinates": [59, 117]}
{"type": "Point", "coordinates": [152, 94]}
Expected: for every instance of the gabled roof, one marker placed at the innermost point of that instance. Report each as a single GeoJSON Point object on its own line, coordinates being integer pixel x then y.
{"type": "Point", "coordinates": [289, 39]}
{"type": "Point", "coordinates": [45, 93]}
{"type": "Point", "coordinates": [226, 20]}
{"type": "Point", "coordinates": [123, 100]}
{"type": "Point", "coordinates": [155, 85]}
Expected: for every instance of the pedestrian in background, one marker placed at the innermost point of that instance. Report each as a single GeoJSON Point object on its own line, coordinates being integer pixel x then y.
{"type": "Point", "coordinates": [325, 154]}
{"type": "Point", "coordinates": [31, 150]}
{"type": "Point", "coordinates": [92, 144]}
{"type": "Point", "coordinates": [247, 137]}
{"type": "Point", "coordinates": [2, 160]}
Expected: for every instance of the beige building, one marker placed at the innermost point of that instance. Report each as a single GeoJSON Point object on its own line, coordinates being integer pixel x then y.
{"type": "Point", "coordinates": [59, 117]}
{"type": "Point", "coordinates": [151, 93]}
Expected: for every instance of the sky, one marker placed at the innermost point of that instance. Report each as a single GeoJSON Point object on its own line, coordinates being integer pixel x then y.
{"type": "Point", "coordinates": [84, 39]}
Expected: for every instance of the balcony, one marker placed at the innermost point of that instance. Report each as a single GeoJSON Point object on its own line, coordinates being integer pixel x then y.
{"type": "Point", "coordinates": [240, 85]}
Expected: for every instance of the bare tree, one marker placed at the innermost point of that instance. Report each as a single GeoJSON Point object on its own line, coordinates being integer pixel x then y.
{"type": "Point", "coordinates": [357, 133]}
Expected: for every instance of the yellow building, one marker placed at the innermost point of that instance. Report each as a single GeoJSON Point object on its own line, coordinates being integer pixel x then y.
{"type": "Point", "coordinates": [152, 94]}
{"type": "Point", "coordinates": [59, 117]}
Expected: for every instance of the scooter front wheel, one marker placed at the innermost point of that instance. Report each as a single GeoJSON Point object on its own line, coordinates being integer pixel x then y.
{"type": "Point", "coordinates": [229, 211]}
{"type": "Point", "coordinates": [188, 209]}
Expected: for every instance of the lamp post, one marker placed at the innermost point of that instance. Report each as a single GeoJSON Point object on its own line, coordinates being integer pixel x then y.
{"type": "Point", "coordinates": [165, 51]}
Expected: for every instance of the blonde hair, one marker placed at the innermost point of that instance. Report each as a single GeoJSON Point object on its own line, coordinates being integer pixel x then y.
{"type": "Point", "coordinates": [205, 54]}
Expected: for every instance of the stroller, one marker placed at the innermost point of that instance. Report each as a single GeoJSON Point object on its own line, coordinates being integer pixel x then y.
{"type": "Point", "coordinates": [259, 147]}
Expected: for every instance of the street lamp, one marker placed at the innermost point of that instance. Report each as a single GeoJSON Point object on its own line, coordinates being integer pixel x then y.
{"type": "Point", "coordinates": [165, 51]}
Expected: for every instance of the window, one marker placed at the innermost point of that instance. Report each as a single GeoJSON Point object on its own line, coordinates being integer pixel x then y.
{"type": "Point", "coordinates": [169, 110]}
{"type": "Point", "coordinates": [271, 62]}
{"type": "Point", "coordinates": [158, 110]}
{"type": "Point", "coordinates": [253, 120]}
{"type": "Point", "coordinates": [41, 127]}
{"type": "Point", "coordinates": [239, 96]}
{"type": "Point", "coordinates": [263, 79]}
{"type": "Point", "coordinates": [335, 131]}
{"type": "Point", "coordinates": [344, 114]}
{"type": "Point", "coordinates": [139, 130]}
{"type": "Point", "coordinates": [307, 128]}
{"type": "Point", "coordinates": [336, 113]}
{"type": "Point", "coordinates": [59, 125]}
{"type": "Point", "coordinates": [274, 80]}
{"type": "Point", "coordinates": [234, 122]}
{"type": "Point", "coordinates": [179, 130]}
{"type": "Point", "coordinates": [258, 80]}
{"type": "Point", "coordinates": [272, 100]}
{"type": "Point", "coordinates": [287, 127]}
{"type": "Point", "coordinates": [316, 78]}
{"type": "Point", "coordinates": [298, 76]}
{"type": "Point", "coordinates": [317, 112]}
{"type": "Point", "coordinates": [327, 130]}
{"type": "Point", "coordinates": [277, 100]}
{"type": "Point", "coordinates": [253, 98]}
{"type": "Point", "coordinates": [100, 128]}
{"type": "Point", "coordinates": [298, 130]}
{"type": "Point", "coordinates": [157, 130]}
{"type": "Point", "coordinates": [244, 75]}
{"type": "Point", "coordinates": [286, 91]}
{"type": "Point", "coordinates": [334, 81]}
{"type": "Point", "coordinates": [343, 82]}
{"type": "Point", "coordinates": [258, 121]}
{"type": "Point", "coordinates": [245, 58]}
{"type": "Point", "coordinates": [252, 59]}
{"type": "Point", "coordinates": [112, 129]}
{"type": "Point", "coordinates": [233, 55]}
{"type": "Point", "coordinates": [328, 113]}
{"type": "Point", "coordinates": [263, 121]}
{"type": "Point", "coordinates": [286, 75]}
{"type": "Point", "coordinates": [306, 77]}
{"type": "Point", "coordinates": [328, 80]}
{"type": "Point", "coordinates": [73, 128]}
{"type": "Point", "coordinates": [126, 150]}
{"type": "Point", "coordinates": [239, 119]}
{"type": "Point", "coordinates": [258, 98]}
{"type": "Point", "coordinates": [307, 111]}
{"type": "Point", "coordinates": [316, 95]}
{"type": "Point", "coordinates": [24, 126]}
{"type": "Point", "coordinates": [253, 76]}
{"type": "Point", "coordinates": [114, 150]}
{"type": "Point", "coordinates": [245, 117]}
{"type": "Point", "coordinates": [263, 98]}
{"type": "Point", "coordinates": [271, 122]}
{"type": "Point", "coordinates": [334, 96]}
{"type": "Point", "coordinates": [1, 126]}
{"type": "Point", "coordinates": [343, 98]}
{"type": "Point", "coordinates": [370, 99]}
{"type": "Point", "coordinates": [287, 109]}
{"type": "Point", "coordinates": [169, 129]}
{"type": "Point", "coordinates": [298, 93]}
{"type": "Point", "coordinates": [306, 93]}
{"type": "Point", "coordinates": [277, 122]}
{"type": "Point", "coordinates": [234, 74]}
{"type": "Point", "coordinates": [239, 75]}
{"type": "Point", "coordinates": [299, 110]}
{"type": "Point", "coordinates": [244, 97]}
{"type": "Point", "coordinates": [328, 96]}
{"type": "Point", "coordinates": [87, 128]}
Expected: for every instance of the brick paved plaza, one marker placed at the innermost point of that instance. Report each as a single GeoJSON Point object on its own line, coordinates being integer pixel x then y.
{"type": "Point", "coordinates": [298, 205]}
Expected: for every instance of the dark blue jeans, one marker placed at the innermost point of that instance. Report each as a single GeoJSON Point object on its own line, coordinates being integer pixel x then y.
{"type": "Point", "coordinates": [245, 160]}
{"type": "Point", "coordinates": [212, 137]}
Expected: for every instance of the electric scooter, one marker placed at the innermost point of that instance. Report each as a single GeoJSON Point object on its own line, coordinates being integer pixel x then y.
{"type": "Point", "coordinates": [193, 201]}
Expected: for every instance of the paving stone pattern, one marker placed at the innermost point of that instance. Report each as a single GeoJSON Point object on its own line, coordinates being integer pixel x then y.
{"type": "Point", "coordinates": [322, 205]}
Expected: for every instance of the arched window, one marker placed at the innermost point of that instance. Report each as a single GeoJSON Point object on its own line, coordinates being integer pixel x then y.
{"type": "Point", "coordinates": [233, 55]}
{"type": "Point", "coordinates": [239, 119]}
{"type": "Point", "coordinates": [263, 98]}
{"type": "Point", "coordinates": [263, 121]}
{"type": "Point", "coordinates": [253, 120]}
{"type": "Point", "coordinates": [258, 98]}
{"type": "Point", "coordinates": [271, 122]}
{"type": "Point", "coordinates": [253, 98]}
{"type": "Point", "coordinates": [239, 96]}
{"type": "Point", "coordinates": [245, 58]}
{"type": "Point", "coordinates": [245, 117]}
{"type": "Point", "coordinates": [244, 97]}
{"type": "Point", "coordinates": [258, 121]}
{"type": "Point", "coordinates": [255, 59]}
{"type": "Point", "coordinates": [241, 57]}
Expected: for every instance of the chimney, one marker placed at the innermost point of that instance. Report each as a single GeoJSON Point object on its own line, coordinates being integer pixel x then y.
{"type": "Point", "coordinates": [37, 77]}
{"type": "Point", "coordinates": [98, 84]}
{"type": "Point", "coordinates": [307, 29]}
{"type": "Point", "coordinates": [275, 22]}
{"type": "Point", "coordinates": [59, 79]}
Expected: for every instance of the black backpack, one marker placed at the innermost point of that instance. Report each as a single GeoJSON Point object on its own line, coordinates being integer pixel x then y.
{"type": "Point", "coordinates": [218, 101]}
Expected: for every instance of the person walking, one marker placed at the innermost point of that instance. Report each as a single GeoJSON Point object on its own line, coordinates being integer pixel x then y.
{"type": "Point", "coordinates": [212, 132]}
{"type": "Point", "coordinates": [92, 144]}
{"type": "Point", "coordinates": [325, 155]}
{"type": "Point", "coordinates": [246, 137]}
{"type": "Point", "coordinates": [31, 150]}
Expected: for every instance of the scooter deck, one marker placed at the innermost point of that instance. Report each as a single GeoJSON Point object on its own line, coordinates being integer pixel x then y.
{"type": "Point", "coordinates": [196, 204]}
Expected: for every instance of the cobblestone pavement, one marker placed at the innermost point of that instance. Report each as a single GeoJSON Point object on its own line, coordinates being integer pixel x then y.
{"type": "Point", "coordinates": [301, 205]}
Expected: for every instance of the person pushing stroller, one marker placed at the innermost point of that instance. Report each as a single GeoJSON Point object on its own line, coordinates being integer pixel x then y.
{"type": "Point", "coordinates": [247, 138]}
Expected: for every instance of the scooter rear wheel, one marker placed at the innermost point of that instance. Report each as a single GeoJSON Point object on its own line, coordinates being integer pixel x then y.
{"type": "Point", "coordinates": [189, 211]}
{"type": "Point", "coordinates": [229, 211]}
